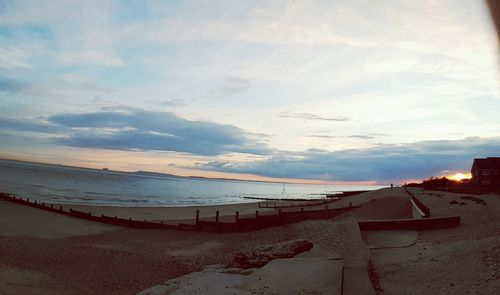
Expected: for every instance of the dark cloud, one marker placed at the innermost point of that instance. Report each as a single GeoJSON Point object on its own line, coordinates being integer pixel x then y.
{"type": "Point", "coordinates": [385, 162]}
{"type": "Point", "coordinates": [308, 116]}
{"type": "Point", "coordinates": [144, 130]}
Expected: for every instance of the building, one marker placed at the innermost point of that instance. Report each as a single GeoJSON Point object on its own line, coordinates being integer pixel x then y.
{"type": "Point", "coordinates": [486, 172]}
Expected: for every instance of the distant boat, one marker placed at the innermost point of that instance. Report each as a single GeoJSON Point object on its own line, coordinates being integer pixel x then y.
{"type": "Point", "coordinates": [105, 169]}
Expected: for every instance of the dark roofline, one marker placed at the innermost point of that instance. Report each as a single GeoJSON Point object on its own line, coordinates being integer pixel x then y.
{"type": "Point", "coordinates": [486, 163]}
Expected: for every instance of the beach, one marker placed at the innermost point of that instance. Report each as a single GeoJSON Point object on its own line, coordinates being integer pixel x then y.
{"type": "Point", "coordinates": [47, 253]}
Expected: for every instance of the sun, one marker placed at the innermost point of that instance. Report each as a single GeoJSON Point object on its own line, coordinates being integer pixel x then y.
{"type": "Point", "coordinates": [459, 176]}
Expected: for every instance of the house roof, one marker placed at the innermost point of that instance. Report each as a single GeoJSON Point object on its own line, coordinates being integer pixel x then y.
{"type": "Point", "coordinates": [487, 163]}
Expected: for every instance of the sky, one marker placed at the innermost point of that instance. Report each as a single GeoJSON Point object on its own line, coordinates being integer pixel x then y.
{"type": "Point", "coordinates": [355, 91]}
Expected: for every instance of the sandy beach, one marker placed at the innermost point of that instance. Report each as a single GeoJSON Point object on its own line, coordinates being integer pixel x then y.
{"type": "Point", "coordinates": [46, 253]}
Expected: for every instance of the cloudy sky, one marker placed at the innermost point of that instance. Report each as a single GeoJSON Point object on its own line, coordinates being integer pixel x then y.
{"type": "Point", "coordinates": [342, 91]}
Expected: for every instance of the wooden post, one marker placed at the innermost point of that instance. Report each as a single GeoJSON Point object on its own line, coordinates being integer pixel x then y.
{"type": "Point", "coordinates": [236, 220]}
{"type": "Point", "coordinates": [60, 208]}
{"type": "Point", "coordinates": [302, 213]}
{"type": "Point", "coordinates": [256, 214]}
{"type": "Point", "coordinates": [52, 206]}
{"type": "Point", "coordinates": [326, 211]}
{"type": "Point", "coordinates": [217, 225]}
{"type": "Point", "coordinates": [197, 216]}
{"type": "Point", "coordinates": [279, 217]}
{"type": "Point", "coordinates": [90, 214]}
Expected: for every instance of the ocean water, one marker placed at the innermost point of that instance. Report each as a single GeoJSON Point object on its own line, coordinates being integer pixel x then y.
{"type": "Point", "coordinates": [68, 185]}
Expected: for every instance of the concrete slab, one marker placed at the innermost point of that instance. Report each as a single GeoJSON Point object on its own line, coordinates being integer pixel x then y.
{"type": "Point", "coordinates": [389, 238]}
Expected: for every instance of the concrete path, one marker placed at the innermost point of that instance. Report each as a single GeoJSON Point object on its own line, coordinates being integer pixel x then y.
{"type": "Point", "coordinates": [356, 279]}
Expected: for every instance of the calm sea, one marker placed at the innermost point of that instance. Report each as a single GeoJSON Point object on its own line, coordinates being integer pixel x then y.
{"type": "Point", "coordinates": [58, 184]}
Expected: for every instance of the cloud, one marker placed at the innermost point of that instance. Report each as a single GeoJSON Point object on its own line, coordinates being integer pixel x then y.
{"type": "Point", "coordinates": [11, 85]}
{"type": "Point", "coordinates": [94, 58]}
{"type": "Point", "coordinates": [11, 57]}
{"type": "Point", "coordinates": [27, 125]}
{"type": "Point", "coordinates": [308, 116]}
{"type": "Point", "coordinates": [322, 136]}
{"type": "Point", "coordinates": [162, 131]}
{"type": "Point", "coordinates": [235, 85]}
{"type": "Point", "coordinates": [361, 136]}
{"type": "Point", "coordinates": [356, 136]}
{"type": "Point", "coordinates": [384, 163]}
{"type": "Point", "coordinates": [174, 103]}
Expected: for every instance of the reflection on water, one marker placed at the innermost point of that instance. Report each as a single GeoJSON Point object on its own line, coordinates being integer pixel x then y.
{"type": "Point", "coordinates": [59, 184]}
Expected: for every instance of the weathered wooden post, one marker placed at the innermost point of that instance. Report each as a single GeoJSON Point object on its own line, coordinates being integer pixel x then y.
{"type": "Point", "coordinates": [326, 211]}
{"type": "Point", "coordinates": [302, 215]}
{"type": "Point", "coordinates": [256, 214]}
{"type": "Point", "coordinates": [217, 224]}
{"type": "Point", "coordinates": [280, 221]}
{"type": "Point", "coordinates": [256, 223]}
{"type": "Point", "coordinates": [60, 208]}
{"type": "Point", "coordinates": [52, 206]}
{"type": "Point", "coordinates": [90, 213]}
{"type": "Point", "coordinates": [236, 220]}
{"type": "Point", "coordinates": [197, 216]}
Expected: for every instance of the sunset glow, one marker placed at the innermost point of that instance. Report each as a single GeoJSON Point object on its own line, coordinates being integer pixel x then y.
{"type": "Point", "coordinates": [459, 176]}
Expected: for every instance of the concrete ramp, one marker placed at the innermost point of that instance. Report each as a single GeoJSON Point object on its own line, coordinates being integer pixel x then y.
{"type": "Point", "coordinates": [356, 279]}
{"type": "Point", "coordinates": [296, 276]}
{"type": "Point", "coordinates": [314, 272]}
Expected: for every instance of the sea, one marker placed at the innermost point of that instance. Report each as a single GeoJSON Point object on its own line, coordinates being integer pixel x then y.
{"type": "Point", "coordinates": [72, 185]}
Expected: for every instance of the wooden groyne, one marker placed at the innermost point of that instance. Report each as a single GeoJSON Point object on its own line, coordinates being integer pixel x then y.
{"type": "Point", "coordinates": [411, 224]}
{"type": "Point", "coordinates": [289, 204]}
{"type": "Point", "coordinates": [257, 222]}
